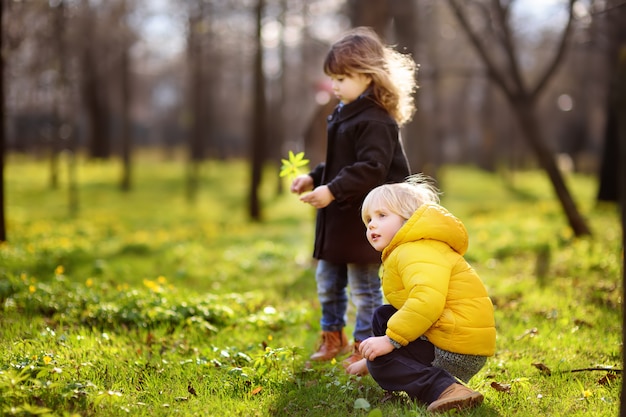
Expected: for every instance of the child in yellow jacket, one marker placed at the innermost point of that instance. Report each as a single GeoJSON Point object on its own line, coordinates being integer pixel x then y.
{"type": "Point", "coordinates": [439, 324]}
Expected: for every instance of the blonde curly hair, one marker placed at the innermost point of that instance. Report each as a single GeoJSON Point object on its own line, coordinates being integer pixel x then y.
{"type": "Point", "coordinates": [360, 51]}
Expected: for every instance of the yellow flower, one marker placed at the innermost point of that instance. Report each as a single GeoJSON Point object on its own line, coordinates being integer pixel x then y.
{"type": "Point", "coordinates": [89, 282]}
{"type": "Point", "coordinates": [333, 362]}
{"type": "Point", "coordinates": [47, 359]}
{"type": "Point", "coordinates": [292, 167]}
{"type": "Point", "coordinates": [32, 288]}
{"type": "Point", "coordinates": [270, 338]}
{"type": "Point", "coordinates": [161, 280]}
{"type": "Point", "coordinates": [587, 393]}
{"type": "Point", "coordinates": [153, 286]}
{"type": "Point", "coordinates": [59, 270]}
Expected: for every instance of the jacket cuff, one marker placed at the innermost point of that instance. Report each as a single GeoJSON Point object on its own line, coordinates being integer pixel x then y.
{"type": "Point", "coordinates": [395, 344]}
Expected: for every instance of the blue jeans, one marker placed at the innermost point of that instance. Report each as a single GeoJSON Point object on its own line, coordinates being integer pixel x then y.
{"type": "Point", "coordinates": [365, 293]}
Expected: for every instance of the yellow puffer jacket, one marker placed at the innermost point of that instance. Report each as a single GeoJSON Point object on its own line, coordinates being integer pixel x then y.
{"type": "Point", "coordinates": [437, 293]}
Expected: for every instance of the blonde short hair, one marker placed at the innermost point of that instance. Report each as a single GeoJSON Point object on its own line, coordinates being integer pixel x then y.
{"type": "Point", "coordinates": [402, 198]}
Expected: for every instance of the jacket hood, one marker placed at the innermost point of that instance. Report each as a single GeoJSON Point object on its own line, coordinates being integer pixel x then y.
{"type": "Point", "coordinates": [434, 222]}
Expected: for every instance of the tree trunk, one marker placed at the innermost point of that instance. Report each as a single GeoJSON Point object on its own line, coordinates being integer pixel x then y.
{"type": "Point", "coordinates": [259, 136]}
{"type": "Point", "coordinates": [405, 15]}
{"type": "Point", "coordinates": [125, 85]}
{"type": "Point", "coordinates": [525, 114]}
{"type": "Point", "coordinates": [3, 230]}
{"type": "Point", "coordinates": [621, 88]}
{"type": "Point", "coordinates": [196, 83]}
{"type": "Point", "coordinates": [98, 131]}
{"type": "Point", "coordinates": [55, 137]}
{"type": "Point", "coordinates": [608, 189]}
{"type": "Point", "coordinates": [372, 13]}
{"type": "Point", "coordinates": [277, 131]}
{"type": "Point", "coordinates": [486, 159]}
{"type": "Point", "coordinates": [614, 25]}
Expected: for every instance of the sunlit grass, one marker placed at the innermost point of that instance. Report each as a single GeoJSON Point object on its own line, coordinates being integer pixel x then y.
{"type": "Point", "coordinates": [147, 304]}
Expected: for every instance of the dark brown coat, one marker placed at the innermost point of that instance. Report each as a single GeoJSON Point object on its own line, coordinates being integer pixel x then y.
{"type": "Point", "coordinates": [363, 151]}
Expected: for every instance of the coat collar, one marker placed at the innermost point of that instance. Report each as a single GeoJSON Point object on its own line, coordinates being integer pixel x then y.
{"type": "Point", "coordinates": [346, 111]}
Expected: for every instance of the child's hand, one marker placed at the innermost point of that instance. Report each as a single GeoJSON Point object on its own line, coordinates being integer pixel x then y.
{"type": "Point", "coordinates": [373, 347]}
{"type": "Point", "coordinates": [358, 368]}
{"type": "Point", "coordinates": [301, 184]}
{"type": "Point", "coordinates": [319, 198]}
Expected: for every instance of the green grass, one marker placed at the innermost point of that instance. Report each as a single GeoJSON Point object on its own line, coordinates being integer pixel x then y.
{"type": "Point", "coordinates": [147, 305]}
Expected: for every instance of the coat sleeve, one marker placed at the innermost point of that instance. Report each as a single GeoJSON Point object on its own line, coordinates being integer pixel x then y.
{"type": "Point", "coordinates": [316, 174]}
{"type": "Point", "coordinates": [424, 274]}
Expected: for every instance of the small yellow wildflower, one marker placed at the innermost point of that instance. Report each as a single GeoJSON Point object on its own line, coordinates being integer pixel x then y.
{"type": "Point", "coordinates": [151, 285]}
{"type": "Point", "coordinates": [47, 359]}
{"type": "Point", "coordinates": [32, 288]}
{"type": "Point", "coordinates": [587, 393]}
{"type": "Point", "coordinates": [270, 338]}
{"type": "Point", "coordinates": [89, 282]}
{"type": "Point", "coordinates": [59, 270]}
{"type": "Point", "coordinates": [333, 362]}
{"type": "Point", "coordinates": [161, 280]}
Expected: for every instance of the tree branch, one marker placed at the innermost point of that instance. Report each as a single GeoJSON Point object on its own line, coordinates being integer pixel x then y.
{"type": "Point", "coordinates": [565, 35]}
{"type": "Point", "coordinates": [508, 44]}
{"type": "Point", "coordinates": [493, 71]}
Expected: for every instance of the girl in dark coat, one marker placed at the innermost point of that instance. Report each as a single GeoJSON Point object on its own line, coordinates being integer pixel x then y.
{"type": "Point", "coordinates": [374, 85]}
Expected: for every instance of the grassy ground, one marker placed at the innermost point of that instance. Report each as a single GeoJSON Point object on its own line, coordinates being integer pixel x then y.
{"type": "Point", "coordinates": [145, 304]}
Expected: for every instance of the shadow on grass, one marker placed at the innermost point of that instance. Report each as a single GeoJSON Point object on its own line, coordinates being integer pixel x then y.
{"type": "Point", "coordinates": [325, 390]}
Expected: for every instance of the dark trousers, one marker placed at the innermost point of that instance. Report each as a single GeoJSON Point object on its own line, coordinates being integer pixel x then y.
{"type": "Point", "coordinates": [409, 368]}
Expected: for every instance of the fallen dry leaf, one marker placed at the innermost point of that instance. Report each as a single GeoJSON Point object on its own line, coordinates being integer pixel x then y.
{"type": "Point", "coordinates": [610, 377]}
{"type": "Point", "coordinates": [498, 386]}
{"type": "Point", "coordinates": [544, 369]}
{"type": "Point", "coordinates": [582, 323]}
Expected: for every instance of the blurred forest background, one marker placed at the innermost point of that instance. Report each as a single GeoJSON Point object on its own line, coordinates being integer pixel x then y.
{"type": "Point", "coordinates": [504, 84]}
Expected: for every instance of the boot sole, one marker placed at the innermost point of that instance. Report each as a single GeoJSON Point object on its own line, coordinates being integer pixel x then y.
{"type": "Point", "coordinates": [459, 403]}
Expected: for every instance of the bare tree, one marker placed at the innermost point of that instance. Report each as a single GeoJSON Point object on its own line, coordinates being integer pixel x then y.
{"type": "Point", "coordinates": [613, 20]}
{"type": "Point", "coordinates": [125, 86]}
{"type": "Point", "coordinates": [521, 97]}
{"type": "Point", "coordinates": [197, 22]}
{"type": "Point", "coordinates": [259, 125]}
{"type": "Point", "coordinates": [3, 231]}
{"type": "Point", "coordinates": [94, 83]}
{"type": "Point", "coordinates": [59, 22]}
{"type": "Point", "coordinates": [621, 88]}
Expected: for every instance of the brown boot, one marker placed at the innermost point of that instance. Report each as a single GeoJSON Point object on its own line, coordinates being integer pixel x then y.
{"type": "Point", "coordinates": [333, 344]}
{"type": "Point", "coordinates": [456, 396]}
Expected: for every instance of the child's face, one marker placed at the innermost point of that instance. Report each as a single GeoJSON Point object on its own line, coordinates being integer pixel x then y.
{"type": "Point", "coordinates": [348, 88]}
{"type": "Point", "coordinates": [382, 225]}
